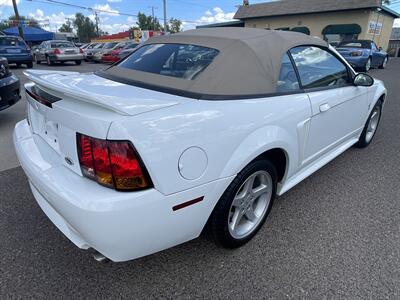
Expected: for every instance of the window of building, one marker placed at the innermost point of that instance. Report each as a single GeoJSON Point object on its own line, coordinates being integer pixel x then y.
{"type": "Point", "coordinates": [319, 68]}
{"type": "Point", "coordinates": [337, 33]}
{"type": "Point", "coordinates": [287, 78]}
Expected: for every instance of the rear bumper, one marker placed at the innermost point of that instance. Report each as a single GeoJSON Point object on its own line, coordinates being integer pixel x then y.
{"type": "Point", "coordinates": [121, 226]}
{"type": "Point", "coordinates": [9, 91]}
{"type": "Point", "coordinates": [66, 57]}
{"type": "Point", "coordinates": [357, 61]}
{"type": "Point", "coordinates": [12, 59]}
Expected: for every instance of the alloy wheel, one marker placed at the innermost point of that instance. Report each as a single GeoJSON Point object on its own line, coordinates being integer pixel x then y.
{"type": "Point", "coordinates": [368, 65]}
{"type": "Point", "coordinates": [373, 123]}
{"type": "Point", "coordinates": [250, 204]}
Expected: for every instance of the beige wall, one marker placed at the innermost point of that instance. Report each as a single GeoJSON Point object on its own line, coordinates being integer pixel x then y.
{"type": "Point", "coordinates": [387, 21]}
{"type": "Point", "coordinates": [317, 22]}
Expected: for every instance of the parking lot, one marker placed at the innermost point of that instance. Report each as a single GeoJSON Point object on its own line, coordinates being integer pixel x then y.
{"type": "Point", "coordinates": [335, 235]}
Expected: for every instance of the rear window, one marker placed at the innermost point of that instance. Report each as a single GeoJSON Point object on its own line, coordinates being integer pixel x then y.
{"type": "Point", "coordinates": [61, 45]}
{"type": "Point", "coordinates": [11, 42]}
{"type": "Point", "coordinates": [175, 60]}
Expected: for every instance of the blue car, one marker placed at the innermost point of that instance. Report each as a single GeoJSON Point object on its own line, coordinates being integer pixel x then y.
{"type": "Point", "coordinates": [363, 54]}
{"type": "Point", "coordinates": [16, 51]}
{"type": "Point", "coordinates": [9, 86]}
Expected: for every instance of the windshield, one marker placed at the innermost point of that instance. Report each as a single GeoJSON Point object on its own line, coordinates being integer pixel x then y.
{"type": "Point", "coordinates": [174, 60]}
{"type": "Point", "coordinates": [109, 45]}
{"type": "Point", "coordinates": [62, 45]}
{"type": "Point", "coordinates": [98, 46]}
{"type": "Point", "coordinates": [355, 44]}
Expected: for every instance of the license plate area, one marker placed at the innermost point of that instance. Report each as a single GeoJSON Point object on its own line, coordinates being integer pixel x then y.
{"type": "Point", "coordinates": [42, 125]}
{"type": "Point", "coordinates": [13, 51]}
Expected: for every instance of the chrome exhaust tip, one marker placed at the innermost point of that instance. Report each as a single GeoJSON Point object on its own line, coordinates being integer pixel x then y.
{"type": "Point", "coordinates": [100, 257]}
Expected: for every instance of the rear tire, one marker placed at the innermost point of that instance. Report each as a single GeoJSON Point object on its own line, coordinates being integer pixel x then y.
{"type": "Point", "coordinates": [245, 205]}
{"type": "Point", "coordinates": [78, 62]}
{"type": "Point", "coordinates": [371, 126]}
{"type": "Point", "coordinates": [367, 66]}
{"type": "Point", "coordinates": [384, 63]}
{"type": "Point", "coordinates": [29, 65]}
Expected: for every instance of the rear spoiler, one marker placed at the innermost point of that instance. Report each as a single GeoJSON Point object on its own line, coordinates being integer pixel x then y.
{"type": "Point", "coordinates": [52, 81]}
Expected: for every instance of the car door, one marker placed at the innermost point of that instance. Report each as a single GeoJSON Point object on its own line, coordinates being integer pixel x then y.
{"type": "Point", "coordinates": [338, 107]}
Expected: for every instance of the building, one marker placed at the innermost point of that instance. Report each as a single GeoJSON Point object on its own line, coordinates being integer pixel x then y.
{"type": "Point", "coordinates": [394, 43]}
{"type": "Point", "coordinates": [332, 20]}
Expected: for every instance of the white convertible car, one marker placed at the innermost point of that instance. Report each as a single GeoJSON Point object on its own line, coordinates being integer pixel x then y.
{"type": "Point", "coordinates": [198, 130]}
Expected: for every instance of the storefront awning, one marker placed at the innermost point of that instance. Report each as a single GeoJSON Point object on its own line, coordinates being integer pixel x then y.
{"type": "Point", "coordinates": [342, 29]}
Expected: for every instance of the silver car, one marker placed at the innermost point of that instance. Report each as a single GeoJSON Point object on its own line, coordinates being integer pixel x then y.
{"type": "Point", "coordinates": [92, 50]}
{"type": "Point", "coordinates": [58, 51]}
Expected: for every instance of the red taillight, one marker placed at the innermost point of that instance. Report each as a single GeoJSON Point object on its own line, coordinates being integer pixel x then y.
{"type": "Point", "coordinates": [114, 164]}
{"type": "Point", "coordinates": [56, 51]}
{"type": "Point", "coordinates": [80, 50]}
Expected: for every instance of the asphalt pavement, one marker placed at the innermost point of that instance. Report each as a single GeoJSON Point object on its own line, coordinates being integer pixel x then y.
{"type": "Point", "coordinates": [335, 235]}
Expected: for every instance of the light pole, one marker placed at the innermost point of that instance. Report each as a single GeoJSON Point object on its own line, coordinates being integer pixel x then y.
{"type": "Point", "coordinates": [165, 15]}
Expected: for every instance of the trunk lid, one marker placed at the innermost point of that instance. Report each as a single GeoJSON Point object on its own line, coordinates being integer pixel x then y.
{"type": "Point", "coordinates": [62, 104]}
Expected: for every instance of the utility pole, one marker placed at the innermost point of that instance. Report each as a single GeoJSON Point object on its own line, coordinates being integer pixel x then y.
{"type": "Point", "coordinates": [165, 15]}
{"type": "Point", "coordinates": [21, 32]}
{"type": "Point", "coordinates": [96, 18]}
{"type": "Point", "coordinates": [152, 14]}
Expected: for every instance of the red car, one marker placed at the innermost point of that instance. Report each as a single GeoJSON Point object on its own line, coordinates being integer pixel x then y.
{"type": "Point", "coordinates": [111, 55]}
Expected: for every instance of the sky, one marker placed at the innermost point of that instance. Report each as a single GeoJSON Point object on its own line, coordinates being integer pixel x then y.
{"type": "Point", "coordinates": [191, 12]}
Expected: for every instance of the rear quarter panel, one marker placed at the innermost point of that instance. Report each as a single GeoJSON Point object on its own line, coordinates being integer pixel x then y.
{"type": "Point", "coordinates": [231, 133]}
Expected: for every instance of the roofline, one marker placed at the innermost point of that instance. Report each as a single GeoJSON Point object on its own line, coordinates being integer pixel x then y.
{"type": "Point", "coordinates": [384, 8]}
{"type": "Point", "coordinates": [221, 24]}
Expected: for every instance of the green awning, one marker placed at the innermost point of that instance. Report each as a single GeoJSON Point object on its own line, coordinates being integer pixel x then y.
{"type": "Point", "coordinates": [342, 29]}
{"type": "Point", "coordinates": [302, 29]}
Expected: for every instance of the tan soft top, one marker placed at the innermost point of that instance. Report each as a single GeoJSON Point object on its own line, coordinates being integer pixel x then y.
{"type": "Point", "coordinates": [248, 64]}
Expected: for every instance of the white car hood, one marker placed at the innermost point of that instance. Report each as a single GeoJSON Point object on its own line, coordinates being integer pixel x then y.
{"type": "Point", "coordinates": [121, 98]}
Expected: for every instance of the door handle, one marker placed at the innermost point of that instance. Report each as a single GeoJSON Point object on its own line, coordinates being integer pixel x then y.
{"type": "Point", "coordinates": [324, 107]}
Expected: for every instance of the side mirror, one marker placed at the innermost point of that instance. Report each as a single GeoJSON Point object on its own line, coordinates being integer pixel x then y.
{"type": "Point", "coordinates": [362, 79]}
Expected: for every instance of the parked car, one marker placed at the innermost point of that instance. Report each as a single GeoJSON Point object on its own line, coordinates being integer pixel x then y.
{"type": "Point", "coordinates": [112, 55]}
{"type": "Point", "coordinates": [9, 86]}
{"type": "Point", "coordinates": [58, 51]}
{"type": "Point", "coordinates": [128, 49]}
{"type": "Point", "coordinates": [92, 50]}
{"type": "Point", "coordinates": [363, 54]}
{"type": "Point", "coordinates": [187, 134]}
{"type": "Point", "coordinates": [97, 57]}
{"type": "Point", "coordinates": [16, 51]}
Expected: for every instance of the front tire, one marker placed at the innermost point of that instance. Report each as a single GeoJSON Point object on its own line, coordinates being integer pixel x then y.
{"type": "Point", "coordinates": [49, 62]}
{"type": "Point", "coordinates": [78, 62]}
{"type": "Point", "coordinates": [371, 126]}
{"type": "Point", "coordinates": [245, 205]}
{"type": "Point", "coordinates": [29, 65]}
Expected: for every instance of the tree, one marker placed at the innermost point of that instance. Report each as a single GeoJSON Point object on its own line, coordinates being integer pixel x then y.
{"type": "Point", "coordinates": [66, 27]}
{"type": "Point", "coordinates": [174, 25]}
{"type": "Point", "coordinates": [85, 28]}
{"type": "Point", "coordinates": [147, 23]}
